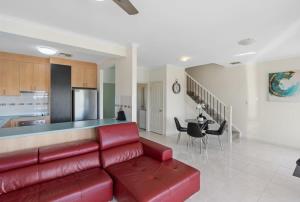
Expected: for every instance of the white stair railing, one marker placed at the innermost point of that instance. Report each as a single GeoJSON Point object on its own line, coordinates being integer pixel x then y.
{"type": "Point", "coordinates": [214, 106]}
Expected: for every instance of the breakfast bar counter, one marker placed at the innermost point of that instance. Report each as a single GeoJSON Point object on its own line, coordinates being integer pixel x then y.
{"type": "Point", "coordinates": [18, 138]}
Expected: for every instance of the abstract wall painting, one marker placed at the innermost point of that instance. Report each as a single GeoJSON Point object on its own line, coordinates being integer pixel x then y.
{"type": "Point", "coordinates": [284, 86]}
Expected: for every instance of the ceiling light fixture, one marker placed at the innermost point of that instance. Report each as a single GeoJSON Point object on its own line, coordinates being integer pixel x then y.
{"type": "Point", "coordinates": [245, 54]}
{"type": "Point", "coordinates": [46, 50]}
{"type": "Point", "coordinates": [185, 58]}
{"type": "Point", "coordinates": [99, 0]}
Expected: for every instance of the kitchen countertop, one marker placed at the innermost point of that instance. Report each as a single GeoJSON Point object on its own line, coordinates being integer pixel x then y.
{"type": "Point", "coordinates": [49, 128]}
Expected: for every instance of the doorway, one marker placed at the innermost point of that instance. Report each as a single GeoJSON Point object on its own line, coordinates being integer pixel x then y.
{"type": "Point", "coordinates": [109, 92]}
{"type": "Point", "coordinates": [142, 105]}
{"type": "Point", "coordinates": [156, 107]}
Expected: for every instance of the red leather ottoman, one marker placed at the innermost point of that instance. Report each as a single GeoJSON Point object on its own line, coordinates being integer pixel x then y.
{"type": "Point", "coordinates": [143, 170]}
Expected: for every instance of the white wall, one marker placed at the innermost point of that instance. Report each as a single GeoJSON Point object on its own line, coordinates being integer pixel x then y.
{"type": "Point", "coordinates": [174, 104]}
{"type": "Point", "coordinates": [245, 87]}
{"type": "Point", "coordinates": [126, 81]}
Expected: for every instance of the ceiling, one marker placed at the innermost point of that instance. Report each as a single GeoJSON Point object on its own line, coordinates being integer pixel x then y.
{"type": "Point", "coordinates": [205, 30]}
{"type": "Point", "coordinates": [28, 46]}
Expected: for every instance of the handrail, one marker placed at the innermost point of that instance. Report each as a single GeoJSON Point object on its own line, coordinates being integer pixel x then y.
{"type": "Point", "coordinates": [209, 98]}
{"type": "Point", "coordinates": [205, 89]}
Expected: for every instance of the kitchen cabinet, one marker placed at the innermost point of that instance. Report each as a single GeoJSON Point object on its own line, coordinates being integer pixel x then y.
{"type": "Point", "coordinates": [84, 75]}
{"type": "Point", "coordinates": [34, 77]}
{"type": "Point", "coordinates": [9, 78]}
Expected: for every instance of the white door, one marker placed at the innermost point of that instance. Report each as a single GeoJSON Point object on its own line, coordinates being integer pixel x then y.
{"type": "Point", "coordinates": [156, 107]}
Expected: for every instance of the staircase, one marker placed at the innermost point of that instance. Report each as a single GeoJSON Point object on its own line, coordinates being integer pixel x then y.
{"type": "Point", "coordinates": [214, 107]}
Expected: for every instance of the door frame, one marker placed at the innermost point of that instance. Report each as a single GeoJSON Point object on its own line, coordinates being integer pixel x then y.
{"type": "Point", "coordinates": [163, 106]}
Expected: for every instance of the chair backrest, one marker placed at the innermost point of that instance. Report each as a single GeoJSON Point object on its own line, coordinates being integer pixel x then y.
{"type": "Point", "coordinates": [178, 126]}
{"type": "Point", "coordinates": [194, 130]}
{"type": "Point", "coordinates": [222, 127]}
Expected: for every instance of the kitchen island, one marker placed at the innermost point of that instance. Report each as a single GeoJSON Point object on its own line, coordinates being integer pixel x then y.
{"type": "Point", "coordinates": [13, 139]}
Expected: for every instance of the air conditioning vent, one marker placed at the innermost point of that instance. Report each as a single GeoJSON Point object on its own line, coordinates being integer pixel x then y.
{"type": "Point", "coordinates": [68, 55]}
{"type": "Point", "coordinates": [235, 63]}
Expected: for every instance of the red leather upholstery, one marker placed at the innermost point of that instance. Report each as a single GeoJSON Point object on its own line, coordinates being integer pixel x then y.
{"type": "Point", "coordinates": [19, 159]}
{"type": "Point", "coordinates": [147, 175]}
{"type": "Point", "coordinates": [92, 185]}
{"type": "Point", "coordinates": [146, 179]}
{"type": "Point", "coordinates": [121, 153]}
{"type": "Point", "coordinates": [60, 168]}
{"type": "Point", "coordinates": [65, 150]}
{"type": "Point", "coordinates": [156, 151]}
{"type": "Point", "coordinates": [70, 172]}
{"type": "Point", "coordinates": [117, 135]}
{"type": "Point", "coordinates": [18, 178]}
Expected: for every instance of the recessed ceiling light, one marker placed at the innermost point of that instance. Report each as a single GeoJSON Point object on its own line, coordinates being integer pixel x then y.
{"type": "Point", "coordinates": [246, 42]}
{"type": "Point", "coordinates": [245, 54]}
{"type": "Point", "coordinates": [185, 58]}
{"type": "Point", "coordinates": [46, 50]}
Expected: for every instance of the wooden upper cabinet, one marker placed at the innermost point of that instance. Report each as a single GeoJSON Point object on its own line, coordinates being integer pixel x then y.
{"type": "Point", "coordinates": [90, 76]}
{"type": "Point", "coordinates": [26, 76]}
{"type": "Point", "coordinates": [10, 78]}
{"type": "Point", "coordinates": [34, 77]}
{"type": "Point", "coordinates": [77, 74]}
{"type": "Point", "coordinates": [41, 77]}
{"type": "Point", "coordinates": [84, 75]}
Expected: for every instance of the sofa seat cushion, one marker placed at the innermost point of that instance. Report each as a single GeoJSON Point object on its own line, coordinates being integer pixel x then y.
{"type": "Point", "coordinates": [28, 194]}
{"type": "Point", "coordinates": [146, 179]}
{"type": "Point", "coordinates": [89, 185]}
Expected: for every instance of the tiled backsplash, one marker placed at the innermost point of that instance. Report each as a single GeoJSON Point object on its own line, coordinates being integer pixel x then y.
{"type": "Point", "coordinates": [36, 103]}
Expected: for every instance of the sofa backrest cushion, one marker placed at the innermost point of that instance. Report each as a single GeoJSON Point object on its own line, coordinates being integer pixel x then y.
{"type": "Point", "coordinates": [65, 150]}
{"type": "Point", "coordinates": [120, 154]}
{"type": "Point", "coordinates": [60, 168]}
{"type": "Point", "coordinates": [19, 159]}
{"type": "Point", "coordinates": [18, 178]}
{"type": "Point", "coordinates": [117, 135]}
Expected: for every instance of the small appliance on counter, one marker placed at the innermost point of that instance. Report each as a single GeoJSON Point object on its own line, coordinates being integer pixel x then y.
{"type": "Point", "coordinates": [297, 169]}
{"type": "Point", "coordinates": [85, 104]}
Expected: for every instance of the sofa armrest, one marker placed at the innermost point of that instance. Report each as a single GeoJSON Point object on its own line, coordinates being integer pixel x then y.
{"type": "Point", "coordinates": [156, 151]}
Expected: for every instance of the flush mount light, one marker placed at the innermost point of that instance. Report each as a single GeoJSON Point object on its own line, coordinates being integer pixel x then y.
{"type": "Point", "coordinates": [245, 54]}
{"type": "Point", "coordinates": [185, 58]}
{"type": "Point", "coordinates": [46, 50]}
{"type": "Point", "coordinates": [99, 0]}
{"type": "Point", "coordinates": [246, 42]}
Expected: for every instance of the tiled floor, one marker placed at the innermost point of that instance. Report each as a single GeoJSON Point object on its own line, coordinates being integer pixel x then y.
{"type": "Point", "coordinates": [248, 172]}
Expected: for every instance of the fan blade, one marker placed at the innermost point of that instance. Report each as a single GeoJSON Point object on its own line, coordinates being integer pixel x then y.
{"type": "Point", "coordinates": [127, 6]}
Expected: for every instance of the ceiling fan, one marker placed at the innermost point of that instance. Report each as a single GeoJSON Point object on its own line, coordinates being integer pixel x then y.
{"type": "Point", "coordinates": [127, 6]}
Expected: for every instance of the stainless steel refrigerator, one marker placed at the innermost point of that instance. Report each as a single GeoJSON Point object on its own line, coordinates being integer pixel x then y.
{"type": "Point", "coordinates": [85, 104]}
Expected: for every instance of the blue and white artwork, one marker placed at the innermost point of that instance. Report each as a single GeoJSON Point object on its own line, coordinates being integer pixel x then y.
{"type": "Point", "coordinates": [284, 86]}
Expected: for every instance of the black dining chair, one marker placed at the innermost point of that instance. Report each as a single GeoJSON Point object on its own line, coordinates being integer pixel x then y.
{"type": "Point", "coordinates": [180, 129]}
{"type": "Point", "coordinates": [195, 131]}
{"type": "Point", "coordinates": [218, 132]}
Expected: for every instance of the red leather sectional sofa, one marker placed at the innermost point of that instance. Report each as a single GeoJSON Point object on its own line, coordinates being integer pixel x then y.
{"type": "Point", "coordinates": [120, 163]}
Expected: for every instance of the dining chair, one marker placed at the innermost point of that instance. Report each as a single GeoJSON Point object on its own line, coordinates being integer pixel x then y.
{"type": "Point", "coordinates": [218, 132]}
{"type": "Point", "coordinates": [195, 130]}
{"type": "Point", "coordinates": [179, 128]}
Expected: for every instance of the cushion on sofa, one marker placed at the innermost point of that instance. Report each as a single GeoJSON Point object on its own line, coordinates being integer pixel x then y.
{"type": "Point", "coordinates": [18, 178]}
{"type": "Point", "coordinates": [146, 179]}
{"type": "Point", "coordinates": [60, 168]}
{"type": "Point", "coordinates": [18, 159]}
{"type": "Point", "coordinates": [87, 186]}
{"type": "Point", "coordinates": [65, 150]}
{"type": "Point", "coordinates": [120, 154]}
{"type": "Point", "coordinates": [117, 135]}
